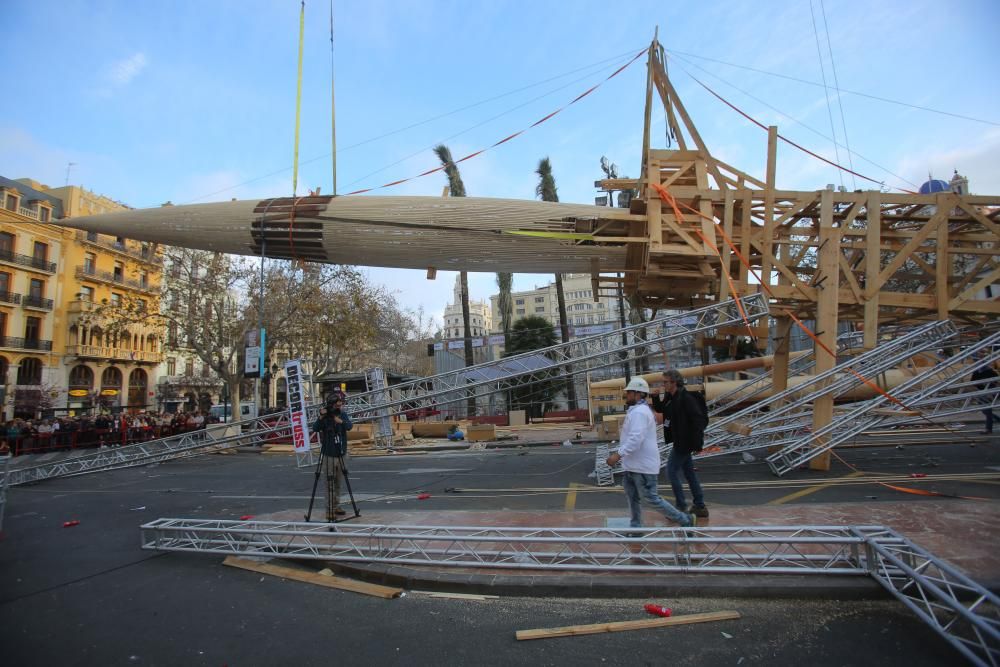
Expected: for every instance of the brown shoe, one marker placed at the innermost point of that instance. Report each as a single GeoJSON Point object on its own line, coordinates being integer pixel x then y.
{"type": "Point", "coordinates": [339, 512]}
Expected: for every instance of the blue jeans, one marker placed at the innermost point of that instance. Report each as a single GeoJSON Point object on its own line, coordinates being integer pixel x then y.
{"type": "Point", "coordinates": [638, 485]}
{"type": "Point", "coordinates": [676, 464]}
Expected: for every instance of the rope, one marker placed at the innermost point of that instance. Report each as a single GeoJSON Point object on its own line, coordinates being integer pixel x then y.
{"type": "Point", "coordinates": [509, 137]}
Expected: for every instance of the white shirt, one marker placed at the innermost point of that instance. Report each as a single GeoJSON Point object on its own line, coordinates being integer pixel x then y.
{"type": "Point", "coordinates": [637, 445]}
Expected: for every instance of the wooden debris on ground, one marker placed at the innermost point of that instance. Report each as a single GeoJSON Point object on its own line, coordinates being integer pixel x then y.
{"type": "Point", "coordinates": [456, 596]}
{"type": "Point", "coordinates": [620, 626]}
{"type": "Point", "coordinates": [318, 578]}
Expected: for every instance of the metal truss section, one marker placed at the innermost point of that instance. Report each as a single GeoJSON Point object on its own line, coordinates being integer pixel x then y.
{"type": "Point", "coordinates": [575, 357]}
{"type": "Point", "coordinates": [770, 549]}
{"type": "Point", "coordinates": [375, 381]}
{"type": "Point", "coordinates": [966, 614]}
{"type": "Point", "coordinates": [585, 354]}
{"type": "Point", "coordinates": [956, 607]}
{"type": "Point", "coordinates": [202, 441]}
{"type": "Point", "coordinates": [774, 417]}
{"type": "Point", "coordinates": [930, 392]}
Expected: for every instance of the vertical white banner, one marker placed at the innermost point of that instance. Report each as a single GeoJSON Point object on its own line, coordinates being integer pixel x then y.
{"type": "Point", "coordinates": [297, 406]}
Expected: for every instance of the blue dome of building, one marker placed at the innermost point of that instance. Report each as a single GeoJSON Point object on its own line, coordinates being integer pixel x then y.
{"type": "Point", "coordinates": [934, 185]}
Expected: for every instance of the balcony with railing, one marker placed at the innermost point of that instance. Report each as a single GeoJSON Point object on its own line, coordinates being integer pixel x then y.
{"type": "Point", "coordinates": [143, 254]}
{"type": "Point", "coordinates": [26, 343]}
{"type": "Point", "coordinates": [87, 272]}
{"type": "Point", "coordinates": [190, 380]}
{"type": "Point", "coordinates": [10, 297]}
{"type": "Point", "coordinates": [37, 263]}
{"type": "Point", "coordinates": [38, 302]}
{"type": "Point", "coordinates": [115, 353]}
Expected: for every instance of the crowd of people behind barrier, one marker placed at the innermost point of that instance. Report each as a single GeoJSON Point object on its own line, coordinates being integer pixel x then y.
{"type": "Point", "coordinates": [33, 436]}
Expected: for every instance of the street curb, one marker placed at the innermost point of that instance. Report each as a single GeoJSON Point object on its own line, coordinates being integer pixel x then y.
{"type": "Point", "coordinates": [615, 585]}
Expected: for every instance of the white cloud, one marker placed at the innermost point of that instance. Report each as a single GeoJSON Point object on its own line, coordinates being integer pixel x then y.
{"type": "Point", "coordinates": [120, 73]}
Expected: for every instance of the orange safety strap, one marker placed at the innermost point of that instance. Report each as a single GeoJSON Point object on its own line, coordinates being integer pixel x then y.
{"type": "Point", "coordinates": [666, 196]}
{"type": "Point", "coordinates": [903, 489]}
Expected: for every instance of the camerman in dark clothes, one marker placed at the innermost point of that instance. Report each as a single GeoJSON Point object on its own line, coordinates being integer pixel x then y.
{"type": "Point", "coordinates": [987, 378]}
{"type": "Point", "coordinates": [684, 422]}
{"type": "Point", "coordinates": [332, 426]}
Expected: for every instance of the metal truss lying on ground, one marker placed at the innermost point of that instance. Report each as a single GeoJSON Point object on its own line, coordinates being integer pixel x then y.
{"type": "Point", "coordinates": [585, 354]}
{"type": "Point", "coordinates": [936, 393]}
{"type": "Point", "coordinates": [776, 415]}
{"type": "Point", "coordinates": [960, 610]}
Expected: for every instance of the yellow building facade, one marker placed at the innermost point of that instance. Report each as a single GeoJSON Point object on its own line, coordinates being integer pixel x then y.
{"type": "Point", "coordinates": [87, 364]}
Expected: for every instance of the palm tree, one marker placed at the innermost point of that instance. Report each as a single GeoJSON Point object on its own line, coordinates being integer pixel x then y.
{"type": "Point", "coordinates": [546, 190]}
{"type": "Point", "coordinates": [457, 189]}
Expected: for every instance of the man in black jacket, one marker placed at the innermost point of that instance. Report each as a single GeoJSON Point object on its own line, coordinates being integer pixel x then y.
{"type": "Point", "coordinates": [684, 422]}
{"type": "Point", "coordinates": [332, 426]}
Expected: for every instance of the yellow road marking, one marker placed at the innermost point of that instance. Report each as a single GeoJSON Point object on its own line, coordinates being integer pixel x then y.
{"type": "Point", "coordinates": [571, 497]}
{"type": "Point", "coordinates": [805, 492]}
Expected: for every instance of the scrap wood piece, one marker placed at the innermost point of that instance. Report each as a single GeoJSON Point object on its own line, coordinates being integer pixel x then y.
{"type": "Point", "coordinates": [620, 626]}
{"type": "Point", "coordinates": [285, 572]}
{"type": "Point", "coordinates": [455, 596]}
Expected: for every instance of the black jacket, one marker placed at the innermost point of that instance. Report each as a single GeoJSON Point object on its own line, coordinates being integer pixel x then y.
{"type": "Point", "coordinates": [684, 421]}
{"type": "Point", "coordinates": [985, 373]}
{"type": "Point", "coordinates": [333, 436]}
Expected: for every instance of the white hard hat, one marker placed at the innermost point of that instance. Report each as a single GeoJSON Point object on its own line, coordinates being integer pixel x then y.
{"type": "Point", "coordinates": [638, 384]}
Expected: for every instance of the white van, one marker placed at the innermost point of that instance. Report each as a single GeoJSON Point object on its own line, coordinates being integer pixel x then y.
{"type": "Point", "coordinates": [224, 413]}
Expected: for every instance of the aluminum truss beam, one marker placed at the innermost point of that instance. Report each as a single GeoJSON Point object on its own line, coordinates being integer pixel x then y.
{"type": "Point", "coordinates": [375, 381]}
{"type": "Point", "coordinates": [930, 393]}
{"type": "Point", "coordinates": [777, 415]}
{"type": "Point", "coordinates": [956, 607]}
{"type": "Point", "coordinates": [524, 369]}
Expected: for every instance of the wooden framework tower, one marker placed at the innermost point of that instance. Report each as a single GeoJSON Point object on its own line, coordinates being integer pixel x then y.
{"type": "Point", "coordinates": [708, 229]}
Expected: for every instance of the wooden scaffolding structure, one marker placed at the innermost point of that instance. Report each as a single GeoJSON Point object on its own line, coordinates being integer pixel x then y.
{"type": "Point", "coordinates": [870, 257]}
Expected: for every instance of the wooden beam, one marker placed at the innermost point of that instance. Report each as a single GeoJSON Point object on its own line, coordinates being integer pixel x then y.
{"type": "Point", "coordinates": [620, 626]}
{"type": "Point", "coordinates": [339, 583]}
{"type": "Point", "coordinates": [872, 265]}
{"type": "Point", "coordinates": [826, 318]}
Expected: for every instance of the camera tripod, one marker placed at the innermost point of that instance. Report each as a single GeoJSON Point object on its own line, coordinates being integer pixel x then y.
{"type": "Point", "coordinates": [332, 464]}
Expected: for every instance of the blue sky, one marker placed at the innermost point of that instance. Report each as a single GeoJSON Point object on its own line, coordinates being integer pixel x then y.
{"type": "Point", "coordinates": [194, 101]}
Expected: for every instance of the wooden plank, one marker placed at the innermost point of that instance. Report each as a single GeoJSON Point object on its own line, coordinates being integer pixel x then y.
{"type": "Point", "coordinates": [827, 305]}
{"type": "Point", "coordinates": [872, 259]}
{"type": "Point", "coordinates": [455, 596]}
{"type": "Point", "coordinates": [620, 626]}
{"type": "Point", "coordinates": [339, 583]}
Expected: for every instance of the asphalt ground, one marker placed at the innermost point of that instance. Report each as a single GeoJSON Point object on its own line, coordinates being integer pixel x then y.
{"type": "Point", "coordinates": [89, 595]}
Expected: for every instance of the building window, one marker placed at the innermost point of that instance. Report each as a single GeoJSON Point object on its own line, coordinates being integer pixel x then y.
{"type": "Point", "coordinates": [171, 366]}
{"type": "Point", "coordinates": [172, 334]}
{"type": "Point", "coordinates": [12, 202]}
{"type": "Point", "coordinates": [6, 243]}
{"type": "Point", "coordinates": [37, 289]}
{"type": "Point", "coordinates": [120, 242]}
{"type": "Point", "coordinates": [189, 367]}
{"type": "Point", "coordinates": [92, 237]}
{"type": "Point", "coordinates": [5, 283]}
{"type": "Point", "coordinates": [32, 331]}
{"type": "Point", "coordinates": [30, 371]}
{"type": "Point", "coordinates": [116, 299]}
{"type": "Point", "coordinates": [141, 305]}
{"type": "Point", "coordinates": [144, 280]}
{"type": "Point", "coordinates": [90, 263]}
{"type": "Point", "coordinates": [44, 214]}
{"type": "Point", "coordinates": [519, 302]}
{"type": "Point", "coordinates": [41, 251]}
{"type": "Point", "coordinates": [119, 272]}
{"type": "Point", "coordinates": [520, 311]}
{"type": "Point", "coordinates": [539, 299]}
{"type": "Point", "coordinates": [539, 309]}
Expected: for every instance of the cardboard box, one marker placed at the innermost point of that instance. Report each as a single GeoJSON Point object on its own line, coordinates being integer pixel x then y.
{"type": "Point", "coordinates": [480, 432]}
{"type": "Point", "coordinates": [432, 429]}
{"type": "Point", "coordinates": [517, 418]}
{"type": "Point", "coordinates": [610, 427]}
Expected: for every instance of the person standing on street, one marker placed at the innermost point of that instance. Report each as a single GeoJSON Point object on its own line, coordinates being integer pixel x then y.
{"type": "Point", "coordinates": [640, 458]}
{"type": "Point", "coordinates": [684, 422]}
{"type": "Point", "coordinates": [332, 426]}
{"type": "Point", "coordinates": [987, 379]}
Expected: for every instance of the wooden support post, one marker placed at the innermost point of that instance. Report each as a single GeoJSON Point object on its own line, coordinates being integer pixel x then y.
{"type": "Point", "coordinates": [647, 115]}
{"type": "Point", "coordinates": [726, 251]}
{"type": "Point", "coordinates": [872, 265]}
{"type": "Point", "coordinates": [942, 262]}
{"type": "Point", "coordinates": [768, 241]}
{"type": "Point", "coordinates": [620, 626]}
{"type": "Point", "coordinates": [746, 226]}
{"type": "Point", "coordinates": [826, 315]}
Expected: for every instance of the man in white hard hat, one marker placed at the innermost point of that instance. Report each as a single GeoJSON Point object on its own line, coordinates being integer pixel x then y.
{"type": "Point", "coordinates": [640, 458]}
